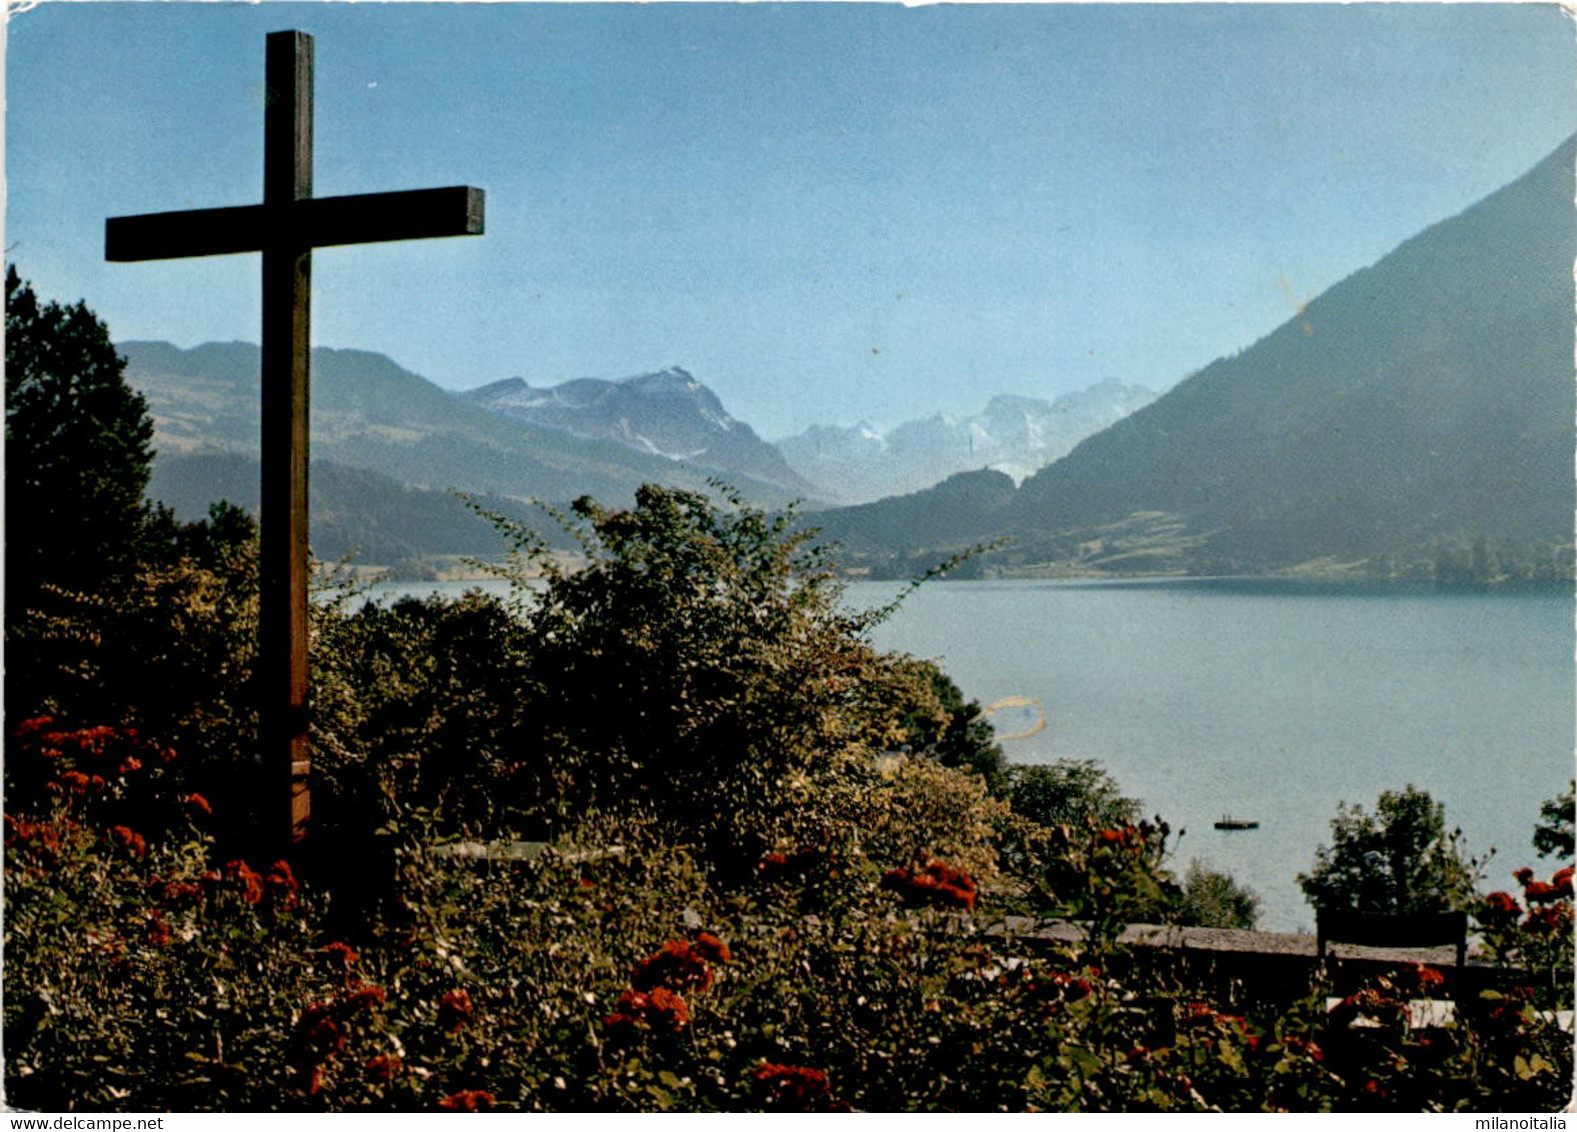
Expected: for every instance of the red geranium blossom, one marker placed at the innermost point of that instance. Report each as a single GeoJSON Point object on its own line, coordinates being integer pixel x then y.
{"type": "Point", "coordinates": [794, 1088]}
{"type": "Point", "coordinates": [712, 949]}
{"type": "Point", "coordinates": [342, 953]}
{"type": "Point", "coordinates": [786, 866]}
{"type": "Point", "coordinates": [281, 884]}
{"type": "Point", "coordinates": [318, 1035]}
{"type": "Point", "coordinates": [1549, 920]}
{"type": "Point", "coordinates": [246, 879]}
{"type": "Point", "coordinates": [678, 966]}
{"type": "Point", "coordinates": [179, 893]}
{"type": "Point", "coordinates": [158, 931]}
{"type": "Point", "coordinates": [938, 884]}
{"type": "Point", "coordinates": [1425, 979]}
{"type": "Point", "coordinates": [660, 1010]}
{"type": "Point", "coordinates": [1499, 909]}
{"type": "Point", "coordinates": [131, 840]}
{"type": "Point", "coordinates": [454, 1010]}
{"type": "Point", "coordinates": [382, 1067]}
{"type": "Point", "coordinates": [1537, 892]}
{"type": "Point", "coordinates": [469, 1100]}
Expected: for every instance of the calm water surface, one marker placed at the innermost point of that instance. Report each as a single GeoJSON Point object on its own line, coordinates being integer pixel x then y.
{"type": "Point", "coordinates": [1272, 700]}
{"type": "Point", "coordinates": [1276, 701]}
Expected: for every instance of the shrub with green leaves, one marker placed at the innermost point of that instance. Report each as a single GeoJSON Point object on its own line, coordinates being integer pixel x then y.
{"type": "Point", "coordinates": [1214, 900]}
{"type": "Point", "coordinates": [1399, 859]}
{"type": "Point", "coordinates": [610, 973]}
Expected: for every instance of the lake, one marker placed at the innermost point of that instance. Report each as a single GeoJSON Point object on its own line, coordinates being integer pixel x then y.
{"type": "Point", "coordinates": [1272, 699]}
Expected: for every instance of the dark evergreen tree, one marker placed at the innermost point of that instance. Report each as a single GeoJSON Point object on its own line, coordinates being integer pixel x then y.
{"type": "Point", "coordinates": [78, 452]}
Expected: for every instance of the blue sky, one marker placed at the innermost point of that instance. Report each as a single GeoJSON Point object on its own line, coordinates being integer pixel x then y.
{"type": "Point", "coordinates": [827, 212]}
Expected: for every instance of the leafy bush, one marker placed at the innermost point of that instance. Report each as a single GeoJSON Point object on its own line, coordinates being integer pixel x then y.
{"type": "Point", "coordinates": [611, 974]}
{"type": "Point", "coordinates": [1400, 859]}
{"type": "Point", "coordinates": [1070, 792]}
{"type": "Point", "coordinates": [1214, 900]}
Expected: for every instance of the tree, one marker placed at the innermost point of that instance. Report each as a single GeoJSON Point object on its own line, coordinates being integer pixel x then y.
{"type": "Point", "coordinates": [1075, 792]}
{"type": "Point", "coordinates": [959, 735]}
{"type": "Point", "coordinates": [1554, 835]}
{"type": "Point", "coordinates": [702, 667]}
{"type": "Point", "coordinates": [1398, 860]}
{"type": "Point", "coordinates": [77, 451]}
{"type": "Point", "coordinates": [1215, 900]}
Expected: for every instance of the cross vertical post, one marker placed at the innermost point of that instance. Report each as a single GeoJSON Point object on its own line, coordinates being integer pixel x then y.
{"type": "Point", "coordinates": [285, 228]}
{"type": "Point", "coordinates": [286, 350]}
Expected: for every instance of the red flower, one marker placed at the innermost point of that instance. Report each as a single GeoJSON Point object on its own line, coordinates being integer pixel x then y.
{"type": "Point", "coordinates": [1297, 1045]}
{"type": "Point", "coordinates": [788, 866]}
{"type": "Point", "coordinates": [470, 1100]}
{"type": "Point", "coordinates": [342, 953]}
{"type": "Point", "coordinates": [1499, 909]}
{"type": "Point", "coordinates": [131, 840]}
{"type": "Point", "coordinates": [1562, 882]}
{"type": "Point", "coordinates": [198, 802]}
{"type": "Point", "coordinates": [75, 782]}
{"type": "Point", "coordinates": [180, 893]}
{"type": "Point", "coordinates": [247, 881]}
{"type": "Point", "coordinates": [938, 884]}
{"type": "Point", "coordinates": [1549, 920]}
{"type": "Point", "coordinates": [281, 884]}
{"type": "Point", "coordinates": [318, 1036]}
{"type": "Point", "coordinates": [1523, 876]}
{"type": "Point", "coordinates": [382, 1068]}
{"type": "Point", "coordinates": [41, 838]}
{"type": "Point", "coordinates": [454, 1010]}
{"type": "Point", "coordinates": [158, 931]}
{"type": "Point", "coordinates": [660, 1010]}
{"type": "Point", "coordinates": [1537, 892]}
{"type": "Point", "coordinates": [1426, 978]}
{"type": "Point", "coordinates": [677, 966]}
{"type": "Point", "coordinates": [793, 1088]}
{"type": "Point", "coordinates": [712, 949]}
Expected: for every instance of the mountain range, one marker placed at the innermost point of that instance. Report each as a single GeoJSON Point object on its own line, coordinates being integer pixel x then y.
{"type": "Point", "coordinates": [1420, 405]}
{"type": "Point", "coordinates": [668, 414]}
{"type": "Point", "coordinates": [1016, 435]}
{"type": "Point", "coordinates": [390, 447]}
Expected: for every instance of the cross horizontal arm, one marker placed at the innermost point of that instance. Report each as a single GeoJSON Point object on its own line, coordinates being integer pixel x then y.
{"type": "Point", "coordinates": [367, 218]}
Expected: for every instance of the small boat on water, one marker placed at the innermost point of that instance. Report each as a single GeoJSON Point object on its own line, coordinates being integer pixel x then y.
{"type": "Point", "coordinates": [1229, 822]}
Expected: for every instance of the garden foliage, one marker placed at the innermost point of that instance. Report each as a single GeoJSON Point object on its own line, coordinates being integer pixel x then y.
{"type": "Point", "coordinates": [774, 865]}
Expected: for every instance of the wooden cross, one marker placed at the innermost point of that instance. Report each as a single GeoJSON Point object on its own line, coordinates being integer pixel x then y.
{"type": "Point", "coordinates": [285, 228]}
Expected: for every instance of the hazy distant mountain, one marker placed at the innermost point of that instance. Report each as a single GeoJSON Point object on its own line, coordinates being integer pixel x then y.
{"type": "Point", "coordinates": [905, 530]}
{"type": "Point", "coordinates": [369, 413]}
{"type": "Point", "coordinates": [1015, 435]}
{"type": "Point", "coordinates": [356, 513]}
{"type": "Point", "coordinates": [668, 414]}
{"type": "Point", "coordinates": [1426, 401]}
